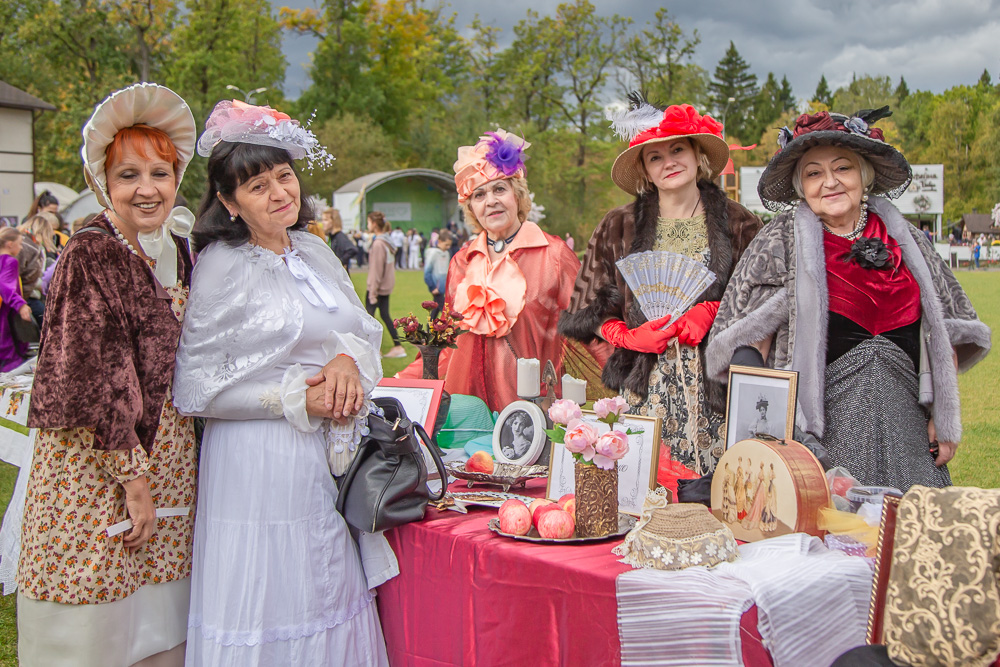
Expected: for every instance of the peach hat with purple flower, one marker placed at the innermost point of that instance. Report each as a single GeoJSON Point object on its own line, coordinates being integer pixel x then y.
{"type": "Point", "coordinates": [496, 155]}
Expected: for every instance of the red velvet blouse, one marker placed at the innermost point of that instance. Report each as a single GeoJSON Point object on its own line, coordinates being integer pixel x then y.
{"type": "Point", "coordinates": [879, 300]}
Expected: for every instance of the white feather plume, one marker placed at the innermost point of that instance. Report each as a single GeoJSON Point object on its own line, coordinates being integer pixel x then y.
{"type": "Point", "coordinates": [630, 123]}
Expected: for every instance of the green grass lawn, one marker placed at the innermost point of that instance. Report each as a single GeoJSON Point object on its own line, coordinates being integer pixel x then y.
{"type": "Point", "coordinates": [976, 464]}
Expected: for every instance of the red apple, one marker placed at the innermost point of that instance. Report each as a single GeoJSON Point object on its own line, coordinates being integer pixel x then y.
{"type": "Point", "coordinates": [535, 504]}
{"type": "Point", "coordinates": [565, 499]}
{"type": "Point", "coordinates": [480, 462]}
{"type": "Point", "coordinates": [570, 506]}
{"type": "Point", "coordinates": [557, 524]}
{"type": "Point", "coordinates": [515, 517]}
{"type": "Point", "coordinates": [543, 510]}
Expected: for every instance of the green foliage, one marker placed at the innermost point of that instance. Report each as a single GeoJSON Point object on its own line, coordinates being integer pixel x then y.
{"type": "Point", "coordinates": [823, 95]}
{"type": "Point", "coordinates": [657, 62]}
{"type": "Point", "coordinates": [734, 81]}
{"type": "Point", "coordinates": [868, 92]}
{"type": "Point", "coordinates": [361, 147]}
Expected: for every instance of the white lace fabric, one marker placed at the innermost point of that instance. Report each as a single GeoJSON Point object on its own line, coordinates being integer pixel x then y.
{"type": "Point", "coordinates": [244, 317]}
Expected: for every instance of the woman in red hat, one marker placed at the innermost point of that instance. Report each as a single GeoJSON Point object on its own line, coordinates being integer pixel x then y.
{"type": "Point", "coordinates": [672, 159]}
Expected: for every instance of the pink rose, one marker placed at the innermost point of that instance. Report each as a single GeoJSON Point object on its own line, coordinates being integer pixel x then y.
{"type": "Point", "coordinates": [564, 411]}
{"type": "Point", "coordinates": [606, 406]}
{"type": "Point", "coordinates": [613, 444]}
{"type": "Point", "coordinates": [580, 438]}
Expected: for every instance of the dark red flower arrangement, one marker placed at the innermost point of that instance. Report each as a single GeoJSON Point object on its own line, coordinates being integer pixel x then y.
{"type": "Point", "coordinates": [440, 331]}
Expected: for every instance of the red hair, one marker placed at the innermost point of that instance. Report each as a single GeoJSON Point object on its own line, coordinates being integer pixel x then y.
{"type": "Point", "coordinates": [138, 138]}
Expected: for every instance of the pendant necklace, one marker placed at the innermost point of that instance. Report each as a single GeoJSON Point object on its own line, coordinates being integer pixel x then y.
{"type": "Point", "coordinates": [500, 244]}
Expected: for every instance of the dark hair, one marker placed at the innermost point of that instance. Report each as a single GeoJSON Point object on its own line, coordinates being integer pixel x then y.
{"type": "Point", "coordinates": [381, 224]}
{"type": "Point", "coordinates": [230, 165]}
{"type": "Point", "coordinates": [47, 199]}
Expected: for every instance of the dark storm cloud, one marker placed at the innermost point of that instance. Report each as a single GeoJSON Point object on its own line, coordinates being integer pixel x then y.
{"type": "Point", "coordinates": [934, 44]}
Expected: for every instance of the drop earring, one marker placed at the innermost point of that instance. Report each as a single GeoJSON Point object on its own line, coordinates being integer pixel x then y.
{"type": "Point", "coordinates": [232, 217]}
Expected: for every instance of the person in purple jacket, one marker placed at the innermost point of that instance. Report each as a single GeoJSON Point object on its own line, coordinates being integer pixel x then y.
{"type": "Point", "coordinates": [12, 353]}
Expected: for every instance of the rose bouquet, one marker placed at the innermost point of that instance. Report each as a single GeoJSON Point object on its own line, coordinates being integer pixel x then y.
{"type": "Point", "coordinates": [588, 446]}
{"type": "Point", "coordinates": [440, 331]}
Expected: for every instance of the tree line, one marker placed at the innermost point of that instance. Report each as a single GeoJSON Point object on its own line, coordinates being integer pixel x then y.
{"type": "Point", "coordinates": [397, 83]}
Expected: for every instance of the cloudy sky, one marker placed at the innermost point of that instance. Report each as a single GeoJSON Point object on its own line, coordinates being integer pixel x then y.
{"type": "Point", "coordinates": [934, 44]}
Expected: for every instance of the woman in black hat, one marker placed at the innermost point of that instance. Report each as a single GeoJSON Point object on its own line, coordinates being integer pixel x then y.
{"type": "Point", "coordinates": [841, 288]}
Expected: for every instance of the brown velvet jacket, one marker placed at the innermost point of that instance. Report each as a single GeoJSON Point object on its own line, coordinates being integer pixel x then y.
{"type": "Point", "coordinates": [601, 293]}
{"type": "Point", "coordinates": [108, 342]}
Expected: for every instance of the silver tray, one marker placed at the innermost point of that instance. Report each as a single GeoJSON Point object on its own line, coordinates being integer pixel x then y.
{"type": "Point", "coordinates": [504, 475]}
{"type": "Point", "coordinates": [626, 522]}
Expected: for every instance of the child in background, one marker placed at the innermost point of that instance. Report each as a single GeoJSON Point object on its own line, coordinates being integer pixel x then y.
{"type": "Point", "coordinates": [436, 270]}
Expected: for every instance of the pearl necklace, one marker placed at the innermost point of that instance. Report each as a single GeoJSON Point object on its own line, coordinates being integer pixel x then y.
{"type": "Point", "coordinates": [128, 245]}
{"type": "Point", "coordinates": [859, 226]}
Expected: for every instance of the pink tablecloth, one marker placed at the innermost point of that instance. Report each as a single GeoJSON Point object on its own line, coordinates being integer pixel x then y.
{"type": "Point", "coordinates": [465, 596]}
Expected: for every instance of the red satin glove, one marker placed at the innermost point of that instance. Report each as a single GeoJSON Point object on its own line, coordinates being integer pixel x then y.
{"type": "Point", "coordinates": [644, 338]}
{"type": "Point", "coordinates": [693, 325]}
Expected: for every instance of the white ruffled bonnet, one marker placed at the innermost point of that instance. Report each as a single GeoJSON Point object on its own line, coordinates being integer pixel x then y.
{"type": "Point", "coordinates": [147, 103]}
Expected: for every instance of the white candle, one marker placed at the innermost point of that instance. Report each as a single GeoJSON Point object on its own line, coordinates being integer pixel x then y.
{"type": "Point", "coordinates": [529, 378]}
{"type": "Point", "coordinates": [574, 390]}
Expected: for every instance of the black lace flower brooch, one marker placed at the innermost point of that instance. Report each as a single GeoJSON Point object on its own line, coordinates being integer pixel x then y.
{"type": "Point", "coordinates": [871, 253]}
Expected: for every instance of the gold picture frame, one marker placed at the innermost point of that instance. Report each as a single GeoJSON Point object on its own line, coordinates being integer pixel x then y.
{"type": "Point", "coordinates": [751, 398]}
{"type": "Point", "coordinates": [636, 470]}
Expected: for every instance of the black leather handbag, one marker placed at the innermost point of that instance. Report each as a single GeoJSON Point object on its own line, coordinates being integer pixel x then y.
{"type": "Point", "coordinates": [24, 331]}
{"type": "Point", "coordinates": [386, 483]}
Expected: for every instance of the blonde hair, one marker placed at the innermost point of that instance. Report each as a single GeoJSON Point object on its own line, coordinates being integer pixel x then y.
{"type": "Point", "coordinates": [41, 227]}
{"type": "Point", "coordinates": [8, 235]}
{"type": "Point", "coordinates": [704, 166]}
{"type": "Point", "coordinates": [520, 187]}
{"type": "Point", "coordinates": [860, 161]}
{"type": "Point", "coordinates": [332, 222]}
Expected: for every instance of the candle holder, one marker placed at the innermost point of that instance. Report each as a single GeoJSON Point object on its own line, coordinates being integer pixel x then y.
{"type": "Point", "coordinates": [549, 379]}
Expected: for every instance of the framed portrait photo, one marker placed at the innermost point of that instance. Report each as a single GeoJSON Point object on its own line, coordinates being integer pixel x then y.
{"type": "Point", "coordinates": [421, 399]}
{"type": "Point", "coordinates": [761, 400]}
{"type": "Point", "coordinates": [636, 470]}
{"type": "Point", "coordinates": [519, 434]}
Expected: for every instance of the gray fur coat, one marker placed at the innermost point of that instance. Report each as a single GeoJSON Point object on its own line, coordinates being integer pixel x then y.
{"type": "Point", "coordinates": [768, 295]}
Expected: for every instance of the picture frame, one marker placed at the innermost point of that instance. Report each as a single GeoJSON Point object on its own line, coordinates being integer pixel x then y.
{"type": "Point", "coordinates": [421, 399]}
{"type": "Point", "coordinates": [519, 434]}
{"type": "Point", "coordinates": [636, 470]}
{"type": "Point", "coordinates": [760, 400]}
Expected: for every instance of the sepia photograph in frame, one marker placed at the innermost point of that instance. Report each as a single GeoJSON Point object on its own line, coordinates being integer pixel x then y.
{"type": "Point", "coordinates": [760, 401]}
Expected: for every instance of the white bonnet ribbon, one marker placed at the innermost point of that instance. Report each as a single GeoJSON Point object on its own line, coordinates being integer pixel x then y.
{"type": "Point", "coordinates": [160, 246]}
{"type": "Point", "coordinates": [312, 287]}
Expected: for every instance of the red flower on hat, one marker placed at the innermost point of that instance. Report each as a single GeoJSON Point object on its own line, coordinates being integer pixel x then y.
{"type": "Point", "coordinates": [680, 120]}
{"type": "Point", "coordinates": [813, 122]}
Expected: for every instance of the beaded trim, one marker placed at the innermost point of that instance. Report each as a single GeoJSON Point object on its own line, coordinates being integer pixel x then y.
{"type": "Point", "coordinates": [859, 226]}
{"type": "Point", "coordinates": [128, 245]}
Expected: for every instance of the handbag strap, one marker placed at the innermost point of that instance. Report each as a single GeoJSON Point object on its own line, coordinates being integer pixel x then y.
{"type": "Point", "coordinates": [421, 435]}
{"type": "Point", "coordinates": [432, 448]}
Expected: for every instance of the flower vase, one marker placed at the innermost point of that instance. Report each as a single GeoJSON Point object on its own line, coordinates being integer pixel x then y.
{"type": "Point", "coordinates": [596, 500]}
{"type": "Point", "coordinates": [429, 354]}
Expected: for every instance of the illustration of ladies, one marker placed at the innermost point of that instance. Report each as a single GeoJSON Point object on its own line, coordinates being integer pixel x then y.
{"type": "Point", "coordinates": [769, 517]}
{"type": "Point", "coordinates": [753, 516]}
{"type": "Point", "coordinates": [728, 496]}
{"type": "Point", "coordinates": [740, 487]}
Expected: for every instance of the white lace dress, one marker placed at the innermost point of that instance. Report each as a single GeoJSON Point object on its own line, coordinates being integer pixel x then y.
{"type": "Point", "coordinates": [277, 579]}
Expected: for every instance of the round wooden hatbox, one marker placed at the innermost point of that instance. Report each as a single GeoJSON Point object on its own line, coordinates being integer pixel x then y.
{"type": "Point", "coordinates": [765, 488]}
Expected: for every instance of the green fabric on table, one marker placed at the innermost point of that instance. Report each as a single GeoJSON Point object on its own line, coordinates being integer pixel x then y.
{"type": "Point", "coordinates": [483, 443]}
{"type": "Point", "coordinates": [468, 418]}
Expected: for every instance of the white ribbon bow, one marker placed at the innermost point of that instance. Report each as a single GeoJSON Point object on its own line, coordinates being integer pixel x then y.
{"type": "Point", "coordinates": [159, 245]}
{"type": "Point", "coordinates": [312, 287]}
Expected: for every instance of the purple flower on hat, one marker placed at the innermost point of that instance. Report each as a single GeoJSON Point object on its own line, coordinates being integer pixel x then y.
{"type": "Point", "coordinates": [856, 125]}
{"type": "Point", "coordinates": [784, 136]}
{"type": "Point", "coordinates": [507, 155]}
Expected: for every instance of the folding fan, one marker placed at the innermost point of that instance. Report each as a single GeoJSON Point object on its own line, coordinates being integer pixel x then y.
{"type": "Point", "coordinates": [664, 283]}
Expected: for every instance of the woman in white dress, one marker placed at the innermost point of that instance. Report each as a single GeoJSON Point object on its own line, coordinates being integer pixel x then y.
{"type": "Point", "coordinates": [280, 356]}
